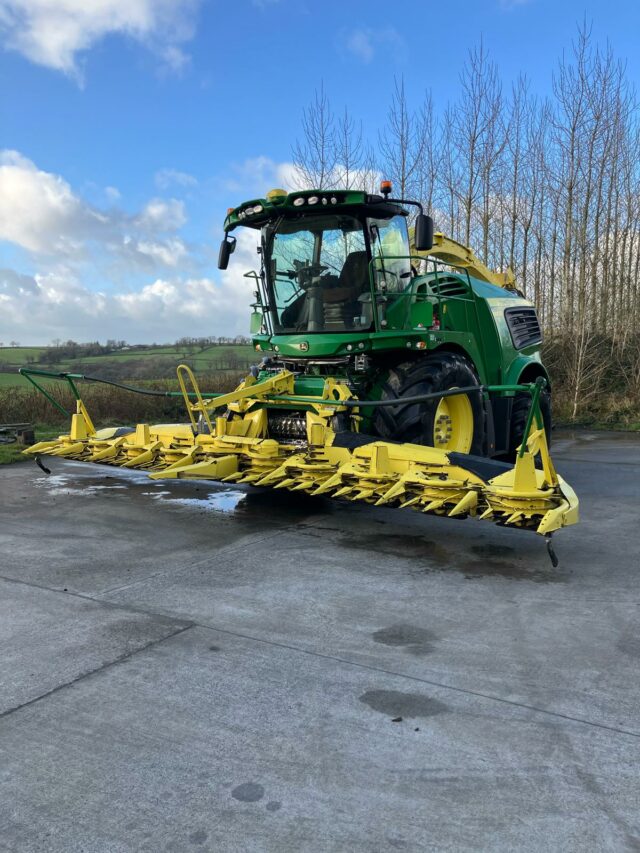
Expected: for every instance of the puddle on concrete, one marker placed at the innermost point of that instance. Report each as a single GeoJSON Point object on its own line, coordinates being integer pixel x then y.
{"type": "Point", "coordinates": [223, 501]}
{"type": "Point", "coordinates": [62, 484]}
{"type": "Point", "coordinates": [397, 545]}
{"type": "Point", "coordinates": [415, 640]}
{"type": "Point", "coordinates": [490, 551]}
{"type": "Point", "coordinates": [248, 792]}
{"type": "Point", "coordinates": [473, 569]}
{"type": "Point", "coordinates": [477, 561]}
{"type": "Point", "coordinates": [266, 507]}
{"type": "Point", "coordinates": [262, 506]}
{"type": "Point", "coordinates": [393, 703]}
{"type": "Point", "coordinates": [220, 500]}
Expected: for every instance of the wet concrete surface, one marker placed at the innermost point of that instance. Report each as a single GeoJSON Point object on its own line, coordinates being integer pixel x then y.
{"type": "Point", "coordinates": [191, 666]}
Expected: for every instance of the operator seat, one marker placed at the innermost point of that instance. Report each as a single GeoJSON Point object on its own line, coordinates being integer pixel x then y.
{"type": "Point", "coordinates": [340, 301]}
{"type": "Point", "coordinates": [355, 272]}
{"type": "Point", "coordinates": [351, 282]}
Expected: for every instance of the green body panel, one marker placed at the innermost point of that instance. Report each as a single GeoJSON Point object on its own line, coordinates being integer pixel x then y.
{"type": "Point", "coordinates": [505, 364]}
{"type": "Point", "coordinates": [474, 325]}
{"type": "Point", "coordinates": [444, 309]}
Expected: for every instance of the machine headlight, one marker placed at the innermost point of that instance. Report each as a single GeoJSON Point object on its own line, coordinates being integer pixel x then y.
{"type": "Point", "coordinates": [313, 200]}
{"type": "Point", "coordinates": [258, 208]}
{"type": "Point", "coordinates": [298, 201]}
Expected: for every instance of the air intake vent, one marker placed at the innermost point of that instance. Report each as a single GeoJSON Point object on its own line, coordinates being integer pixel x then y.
{"type": "Point", "coordinates": [524, 326]}
{"type": "Point", "coordinates": [447, 286]}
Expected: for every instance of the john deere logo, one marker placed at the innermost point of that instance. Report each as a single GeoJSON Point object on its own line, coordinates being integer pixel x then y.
{"type": "Point", "coordinates": [304, 346]}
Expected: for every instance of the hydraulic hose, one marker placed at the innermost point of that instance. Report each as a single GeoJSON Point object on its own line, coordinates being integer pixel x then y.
{"type": "Point", "coordinates": [350, 404]}
{"type": "Point", "coordinates": [401, 401]}
{"type": "Point", "coordinates": [147, 391]}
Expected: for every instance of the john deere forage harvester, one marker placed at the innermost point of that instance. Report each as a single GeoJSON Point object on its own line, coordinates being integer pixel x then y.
{"type": "Point", "coordinates": [395, 369]}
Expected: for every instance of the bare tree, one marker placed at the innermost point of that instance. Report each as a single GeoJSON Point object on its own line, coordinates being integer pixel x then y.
{"type": "Point", "coordinates": [352, 157]}
{"type": "Point", "coordinates": [429, 165]}
{"type": "Point", "coordinates": [314, 156]}
{"type": "Point", "coordinates": [548, 187]}
{"type": "Point", "coordinates": [401, 144]}
{"type": "Point", "coordinates": [478, 139]}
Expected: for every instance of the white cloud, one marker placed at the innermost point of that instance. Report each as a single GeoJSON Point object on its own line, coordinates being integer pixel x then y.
{"type": "Point", "coordinates": [166, 178]}
{"type": "Point", "coordinates": [175, 58]}
{"type": "Point", "coordinates": [163, 214]}
{"type": "Point", "coordinates": [56, 304]}
{"type": "Point", "coordinates": [364, 42]}
{"type": "Point", "coordinates": [169, 253]}
{"type": "Point", "coordinates": [40, 212]}
{"type": "Point", "coordinates": [360, 44]}
{"type": "Point", "coordinates": [257, 175]}
{"type": "Point", "coordinates": [153, 284]}
{"type": "Point", "coordinates": [54, 33]}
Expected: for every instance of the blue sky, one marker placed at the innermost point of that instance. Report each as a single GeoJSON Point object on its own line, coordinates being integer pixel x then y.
{"type": "Point", "coordinates": [128, 129]}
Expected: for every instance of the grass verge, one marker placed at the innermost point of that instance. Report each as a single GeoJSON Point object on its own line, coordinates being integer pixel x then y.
{"type": "Point", "coordinates": [10, 453]}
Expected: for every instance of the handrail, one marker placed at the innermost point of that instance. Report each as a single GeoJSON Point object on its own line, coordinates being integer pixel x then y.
{"type": "Point", "coordinates": [198, 406]}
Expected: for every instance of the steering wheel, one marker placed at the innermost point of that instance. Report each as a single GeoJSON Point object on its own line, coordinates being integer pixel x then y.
{"type": "Point", "coordinates": [307, 272]}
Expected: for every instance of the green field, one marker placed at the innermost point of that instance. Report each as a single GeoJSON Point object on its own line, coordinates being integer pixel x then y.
{"type": "Point", "coordinates": [19, 355]}
{"type": "Point", "coordinates": [209, 360]}
{"type": "Point", "coordinates": [14, 380]}
{"type": "Point", "coordinates": [7, 379]}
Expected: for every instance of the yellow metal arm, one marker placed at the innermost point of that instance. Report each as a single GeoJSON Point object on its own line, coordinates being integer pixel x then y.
{"type": "Point", "coordinates": [451, 252]}
{"type": "Point", "coordinates": [280, 383]}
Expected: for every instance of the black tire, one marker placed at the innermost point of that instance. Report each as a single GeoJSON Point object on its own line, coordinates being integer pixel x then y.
{"type": "Point", "coordinates": [519, 415]}
{"type": "Point", "coordinates": [414, 422]}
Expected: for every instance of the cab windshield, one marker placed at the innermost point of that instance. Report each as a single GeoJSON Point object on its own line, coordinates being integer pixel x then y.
{"type": "Point", "coordinates": [318, 270]}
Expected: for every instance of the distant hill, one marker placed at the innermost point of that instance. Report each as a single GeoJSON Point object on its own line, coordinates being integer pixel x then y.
{"type": "Point", "coordinates": [123, 361]}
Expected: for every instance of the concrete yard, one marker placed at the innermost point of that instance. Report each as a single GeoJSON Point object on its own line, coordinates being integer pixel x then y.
{"type": "Point", "coordinates": [191, 667]}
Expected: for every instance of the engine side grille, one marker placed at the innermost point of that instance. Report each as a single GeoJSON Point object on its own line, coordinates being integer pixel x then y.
{"type": "Point", "coordinates": [449, 286]}
{"type": "Point", "coordinates": [523, 326]}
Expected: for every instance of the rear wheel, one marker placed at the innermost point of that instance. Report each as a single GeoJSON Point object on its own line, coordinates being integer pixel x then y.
{"type": "Point", "coordinates": [453, 423]}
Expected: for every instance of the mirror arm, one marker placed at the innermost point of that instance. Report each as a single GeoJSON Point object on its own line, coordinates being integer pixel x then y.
{"type": "Point", "coordinates": [406, 201]}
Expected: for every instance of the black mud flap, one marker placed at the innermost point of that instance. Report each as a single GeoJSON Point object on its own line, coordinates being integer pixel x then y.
{"type": "Point", "coordinates": [484, 468]}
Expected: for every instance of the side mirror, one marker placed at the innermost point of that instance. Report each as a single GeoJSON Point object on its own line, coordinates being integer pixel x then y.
{"type": "Point", "coordinates": [227, 248]}
{"type": "Point", "coordinates": [255, 323]}
{"type": "Point", "coordinates": [423, 233]}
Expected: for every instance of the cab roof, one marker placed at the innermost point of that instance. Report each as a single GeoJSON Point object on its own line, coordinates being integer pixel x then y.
{"type": "Point", "coordinates": [259, 211]}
